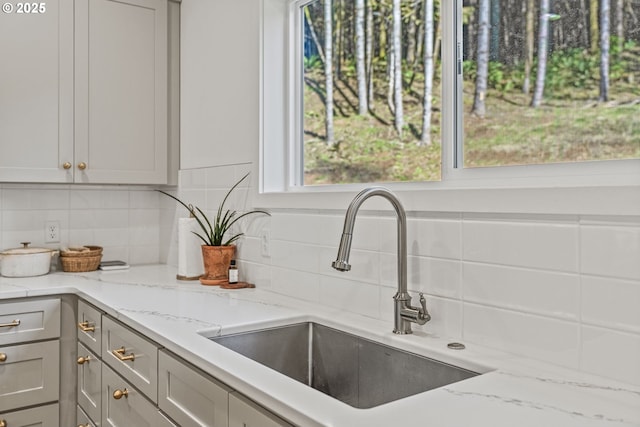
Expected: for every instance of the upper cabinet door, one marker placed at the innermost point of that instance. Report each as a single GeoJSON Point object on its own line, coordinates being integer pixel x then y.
{"type": "Point", "coordinates": [36, 91]}
{"type": "Point", "coordinates": [121, 91]}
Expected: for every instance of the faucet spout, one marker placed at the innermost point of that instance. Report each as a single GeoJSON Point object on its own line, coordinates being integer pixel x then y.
{"type": "Point", "coordinates": [404, 312]}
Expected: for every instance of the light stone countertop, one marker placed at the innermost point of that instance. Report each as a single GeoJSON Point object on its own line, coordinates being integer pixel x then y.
{"type": "Point", "coordinates": [512, 392]}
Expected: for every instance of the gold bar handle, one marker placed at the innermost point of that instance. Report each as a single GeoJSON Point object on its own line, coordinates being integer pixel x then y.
{"type": "Point", "coordinates": [10, 325]}
{"type": "Point", "coordinates": [119, 393]}
{"type": "Point", "coordinates": [84, 327]}
{"type": "Point", "coordinates": [120, 354]}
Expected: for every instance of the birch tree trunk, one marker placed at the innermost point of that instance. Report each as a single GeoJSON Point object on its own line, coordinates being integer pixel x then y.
{"type": "Point", "coordinates": [328, 70]}
{"type": "Point", "coordinates": [397, 66]}
{"type": "Point", "coordinates": [543, 38]}
{"type": "Point", "coordinates": [619, 24]}
{"type": "Point", "coordinates": [593, 24]}
{"type": "Point", "coordinates": [412, 28]}
{"type": "Point", "coordinates": [428, 72]}
{"type": "Point", "coordinates": [604, 49]}
{"type": "Point", "coordinates": [369, 53]}
{"type": "Point", "coordinates": [479, 108]}
{"type": "Point", "coordinates": [528, 45]}
{"type": "Point", "coordinates": [361, 75]}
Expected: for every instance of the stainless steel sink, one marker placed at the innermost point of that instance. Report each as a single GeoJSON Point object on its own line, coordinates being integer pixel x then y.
{"type": "Point", "coordinates": [352, 369]}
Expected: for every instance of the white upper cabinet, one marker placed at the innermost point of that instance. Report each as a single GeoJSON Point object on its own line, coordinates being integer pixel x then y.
{"type": "Point", "coordinates": [84, 95]}
{"type": "Point", "coordinates": [36, 93]}
{"type": "Point", "coordinates": [121, 91]}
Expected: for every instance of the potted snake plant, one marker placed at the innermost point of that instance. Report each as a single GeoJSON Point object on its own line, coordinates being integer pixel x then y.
{"type": "Point", "coordinates": [218, 249]}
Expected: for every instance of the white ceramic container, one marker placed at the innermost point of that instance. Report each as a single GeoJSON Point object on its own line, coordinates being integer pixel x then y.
{"type": "Point", "coordinates": [25, 261]}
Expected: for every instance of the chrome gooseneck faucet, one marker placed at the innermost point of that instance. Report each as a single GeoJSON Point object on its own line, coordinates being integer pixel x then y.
{"type": "Point", "coordinates": [404, 312]}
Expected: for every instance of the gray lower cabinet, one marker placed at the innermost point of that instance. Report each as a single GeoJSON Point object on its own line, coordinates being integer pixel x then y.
{"type": "Point", "coordinates": [189, 396]}
{"type": "Point", "coordinates": [30, 362]}
{"type": "Point", "coordinates": [83, 419]}
{"type": "Point", "coordinates": [125, 406]}
{"type": "Point", "coordinates": [120, 386]}
{"type": "Point", "coordinates": [29, 374]}
{"type": "Point", "coordinates": [41, 416]}
{"type": "Point", "coordinates": [89, 383]}
{"type": "Point", "coordinates": [245, 413]}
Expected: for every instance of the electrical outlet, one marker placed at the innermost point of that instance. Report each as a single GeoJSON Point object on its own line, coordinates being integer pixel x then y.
{"type": "Point", "coordinates": [265, 238]}
{"type": "Point", "coordinates": [52, 232]}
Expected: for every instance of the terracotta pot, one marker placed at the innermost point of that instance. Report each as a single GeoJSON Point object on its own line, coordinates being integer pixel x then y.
{"type": "Point", "coordinates": [216, 264]}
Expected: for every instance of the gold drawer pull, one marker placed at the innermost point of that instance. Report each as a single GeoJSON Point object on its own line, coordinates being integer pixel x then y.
{"type": "Point", "coordinates": [10, 325]}
{"type": "Point", "coordinates": [3, 423]}
{"type": "Point", "coordinates": [84, 327]}
{"type": "Point", "coordinates": [83, 360]}
{"type": "Point", "coordinates": [118, 394]}
{"type": "Point", "coordinates": [120, 354]}
{"type": "Point", "coordinates": [3, 358]}
{"type": "Point", "coordinates": [82, 425]}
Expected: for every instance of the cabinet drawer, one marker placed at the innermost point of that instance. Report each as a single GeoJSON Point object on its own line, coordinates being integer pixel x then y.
{"type": "Point", "coordinates": [42, 416]}
{"type": "Point", "coordinates": [29, 320]}
{"type": "Point", "coordinates": [131, 408]}
{"type": "Point", "coordinates": [30, 374]}
{"type": "Point", "coordinates": [188, 396]}
{"type": "Point", "coordinates": [82, 419]}
{"type": "Point", "coordinates": [131, 355]}
{"type": "Point", "coordinates": [89, 382]}
{"type": "Point", "coordinates": [90, 327]}
{"type": "Point", "coordinates": [244, 413]}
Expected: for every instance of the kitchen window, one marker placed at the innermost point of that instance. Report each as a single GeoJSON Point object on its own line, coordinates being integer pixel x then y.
{"type": "Point", "coordinates": [571, 137]}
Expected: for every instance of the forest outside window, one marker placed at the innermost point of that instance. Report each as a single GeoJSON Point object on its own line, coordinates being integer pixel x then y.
{"type": "Point", "coordinates": [540, 82]}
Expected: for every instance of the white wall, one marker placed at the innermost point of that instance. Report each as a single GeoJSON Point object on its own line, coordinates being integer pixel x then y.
{"type": "Point", "coordinates": [560, 288]}
{"type": "Point", "coordinates": [219, 81]}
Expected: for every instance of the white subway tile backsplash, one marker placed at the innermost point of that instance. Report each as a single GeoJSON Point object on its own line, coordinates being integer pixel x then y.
{"type": "Point", "coordinates": [539, 337]}
{"type": "Point", "coordinates": [611, 303]}
{"type": "Point", "coordinates": [434, 238]}
{"type": "Point", "coordinates": [610, 251]}
{"type": "Point", "coordinates": [295, 256]}
{"type": "Point", "coordinates": [429, 275]}
{"type": "Point", "coordinates": [365, 265]}
{"type": "Point", "coordinates": [528, 244]}
{"type": "Point", "coordinates": [350, 295]}
{"type": "Point", "coordinates": [144, 199]}
{"type": "Point", "coordinates": [306, 228]}
{"type": "Point", "coordinates": [99, 199]}
{"type": "Point", "coordinates": [297, 284]}
{"type": "Point", "coordinates": [535, 291]}
{"type": "Point", "coordinates": [19, 199]}
{"type": "Point", "coordinates": [611, 354]}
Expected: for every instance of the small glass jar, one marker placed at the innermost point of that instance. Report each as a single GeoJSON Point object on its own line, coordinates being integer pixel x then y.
{"type": "Point", "coordinates": [233, 272]}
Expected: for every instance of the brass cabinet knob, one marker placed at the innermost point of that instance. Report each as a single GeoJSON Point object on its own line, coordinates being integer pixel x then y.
{"type": "Point", "coordinates": [83, 360]}
{"type": "Point", "coordinates": [3, 423]}
{"type": "Point", "coordinates": [118, 394]}
{"type": "Point", "coordinates": [66, 165]}
{"type": "Point", "coordinates": [3, 358]}
{"type": "Point", "coordinates": [82, 166]}
{"type": "Point", "coordinates": [80, 425]}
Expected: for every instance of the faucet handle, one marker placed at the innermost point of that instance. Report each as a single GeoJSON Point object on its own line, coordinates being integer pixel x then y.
{"type": "Point", "coordinates": [423, 313]}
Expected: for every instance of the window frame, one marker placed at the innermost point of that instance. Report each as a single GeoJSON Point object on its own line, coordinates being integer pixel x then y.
{"type": "Point", "coordinates": [555, 188]}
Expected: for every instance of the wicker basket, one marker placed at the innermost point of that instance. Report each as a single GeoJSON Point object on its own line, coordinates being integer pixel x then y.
{"type": "Point", "coordinates": [76, 261]}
